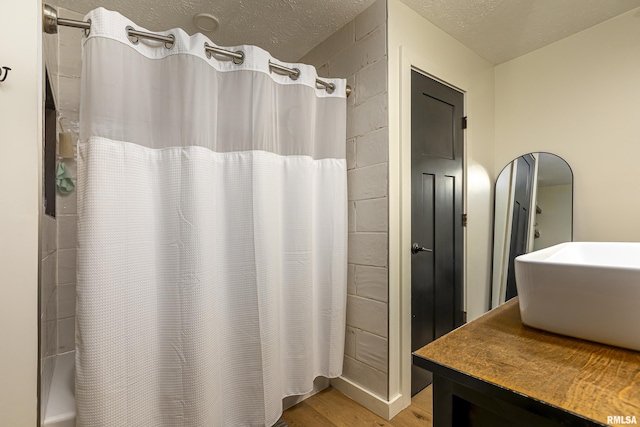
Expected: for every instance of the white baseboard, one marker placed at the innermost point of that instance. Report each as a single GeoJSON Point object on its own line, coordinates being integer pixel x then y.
{"type": "Point", "coordinates": [386, 409]}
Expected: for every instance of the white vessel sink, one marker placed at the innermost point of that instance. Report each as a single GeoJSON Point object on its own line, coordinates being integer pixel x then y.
{"type": "Point", "coordinates": [584, 290]}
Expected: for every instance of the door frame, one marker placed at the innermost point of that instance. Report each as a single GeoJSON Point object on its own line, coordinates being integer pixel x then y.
{"type": "Point", "coordinates": [400, 224]}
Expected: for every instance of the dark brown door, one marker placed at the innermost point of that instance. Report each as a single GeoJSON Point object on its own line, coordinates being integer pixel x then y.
{"type": "Point", "coordinates": [49, 160]}
{"type": "Point", "coordinates": [436, 214]}
{"type": "Point", "coordinates": [520, 219]}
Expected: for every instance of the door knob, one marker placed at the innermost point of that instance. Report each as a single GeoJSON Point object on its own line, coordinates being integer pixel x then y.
{"type": "Point", "coordinates": [415, 248]}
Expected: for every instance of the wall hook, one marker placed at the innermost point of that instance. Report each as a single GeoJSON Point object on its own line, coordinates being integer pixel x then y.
{"type": "Point", "coordinates": [6, 73]}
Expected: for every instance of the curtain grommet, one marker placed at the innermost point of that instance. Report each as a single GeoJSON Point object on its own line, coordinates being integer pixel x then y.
{"type": "Point", "coordinates": [172, 43]}
{"type": "Point", "coordinates": [237, 57]}
{"type": "Point", "coordinates": [133, 39]}
{"type": "Point", "coordinates": [240, 60]}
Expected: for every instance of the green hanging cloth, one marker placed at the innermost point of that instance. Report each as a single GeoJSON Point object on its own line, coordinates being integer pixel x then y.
{"type": "Point", "coordinates": [63, 179]}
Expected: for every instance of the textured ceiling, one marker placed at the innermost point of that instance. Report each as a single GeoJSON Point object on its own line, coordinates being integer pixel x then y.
{"type": "Point", "coordinates": [286, 28]}
{"type": "Point", "coordinates": [500, 30]}
{"type": "Point", "coordinates": [497, 30]}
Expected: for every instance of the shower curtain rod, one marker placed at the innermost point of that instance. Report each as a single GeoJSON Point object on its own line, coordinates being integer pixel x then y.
{"type": "Point", "coordinates": [50, 23]}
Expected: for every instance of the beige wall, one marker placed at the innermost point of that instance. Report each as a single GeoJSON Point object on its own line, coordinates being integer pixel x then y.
{"type": "Point", "coordinates": [20, 139]}
{"type": "Point", "coordinates": [414, 41]}
{"type": "Point", "coordinates": [578, 98]}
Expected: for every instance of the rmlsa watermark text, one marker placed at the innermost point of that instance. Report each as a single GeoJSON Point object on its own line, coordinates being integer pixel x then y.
{"type": "Point", "coordinates": [621, 419]}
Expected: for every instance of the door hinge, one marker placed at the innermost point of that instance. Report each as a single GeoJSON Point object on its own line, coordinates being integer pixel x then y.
{"type": "Point", "coordinates": [464, 220]}
{"type": "Point", "coordinates": [464, 122]}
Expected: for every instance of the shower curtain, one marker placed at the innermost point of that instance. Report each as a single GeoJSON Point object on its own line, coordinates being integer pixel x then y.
{"type": "Point", "coordinates": [212, 232]}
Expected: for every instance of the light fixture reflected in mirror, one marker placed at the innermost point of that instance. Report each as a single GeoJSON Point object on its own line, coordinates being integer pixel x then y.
{"type": "Point", "coordinates": [533, 209]}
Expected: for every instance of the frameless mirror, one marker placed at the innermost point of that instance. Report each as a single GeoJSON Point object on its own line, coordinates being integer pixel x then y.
{"type": "Point", "coordinates": [533, 210]}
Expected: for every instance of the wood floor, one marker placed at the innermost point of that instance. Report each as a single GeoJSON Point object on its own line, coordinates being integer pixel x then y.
{"type": "Point", "coordinates": [330, 408]}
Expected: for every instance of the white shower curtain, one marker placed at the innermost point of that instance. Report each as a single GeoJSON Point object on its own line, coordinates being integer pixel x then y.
{"type": "Point", "coordinates": [212, 233]}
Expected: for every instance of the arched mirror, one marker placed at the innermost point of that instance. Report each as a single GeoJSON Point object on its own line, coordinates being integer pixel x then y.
{"type": "Point", "coordinates": [533, 210]}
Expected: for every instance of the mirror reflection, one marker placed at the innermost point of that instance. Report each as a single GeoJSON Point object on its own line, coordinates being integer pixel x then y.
{"type": "Point", "coordinates": [533, 210]}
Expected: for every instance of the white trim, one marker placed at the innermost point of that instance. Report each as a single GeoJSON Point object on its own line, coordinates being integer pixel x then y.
{"type": "Point", "coordinates": [400, 223]}
{"type": "Point", "coordinates": [376, 404]}
{"type": "Point", "coordinates": [533, 202]}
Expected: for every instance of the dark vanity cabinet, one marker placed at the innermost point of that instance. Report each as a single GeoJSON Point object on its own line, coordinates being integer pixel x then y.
{"type": "Point", "coordinates": [495, 371]}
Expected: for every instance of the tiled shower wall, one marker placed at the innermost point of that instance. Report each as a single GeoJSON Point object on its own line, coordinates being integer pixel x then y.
{"type": "Point", "coordinates": [48, 305]}
{"type": "Point", "coordinates": [49, 259]}
{"type": "Point", "coordinates": [63, 59]}
{"type": "Point", "coordinates": [62, 56]}
{"type": "Point", "coordinates": [48, 278]}
{"type": "Point", "coordinates": [70, 55]}
{"type": "Point", "coordinates": [358, 52]}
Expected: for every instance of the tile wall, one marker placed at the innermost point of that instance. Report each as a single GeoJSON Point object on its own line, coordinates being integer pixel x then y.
{"type": "Point", "coordinates": [358, 52]}
{"type": "Point", "coordinates": [49, 261]}
{"type": "Point", "coordinates": [48, 306]}
{"type": "Point", "coordinates": [70, 56]}
{"type": "Point", "coordinates": [62, 56]}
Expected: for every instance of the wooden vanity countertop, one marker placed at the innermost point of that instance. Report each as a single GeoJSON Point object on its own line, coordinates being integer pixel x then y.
{"type": "Point", "coordinates": [583, 377]}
